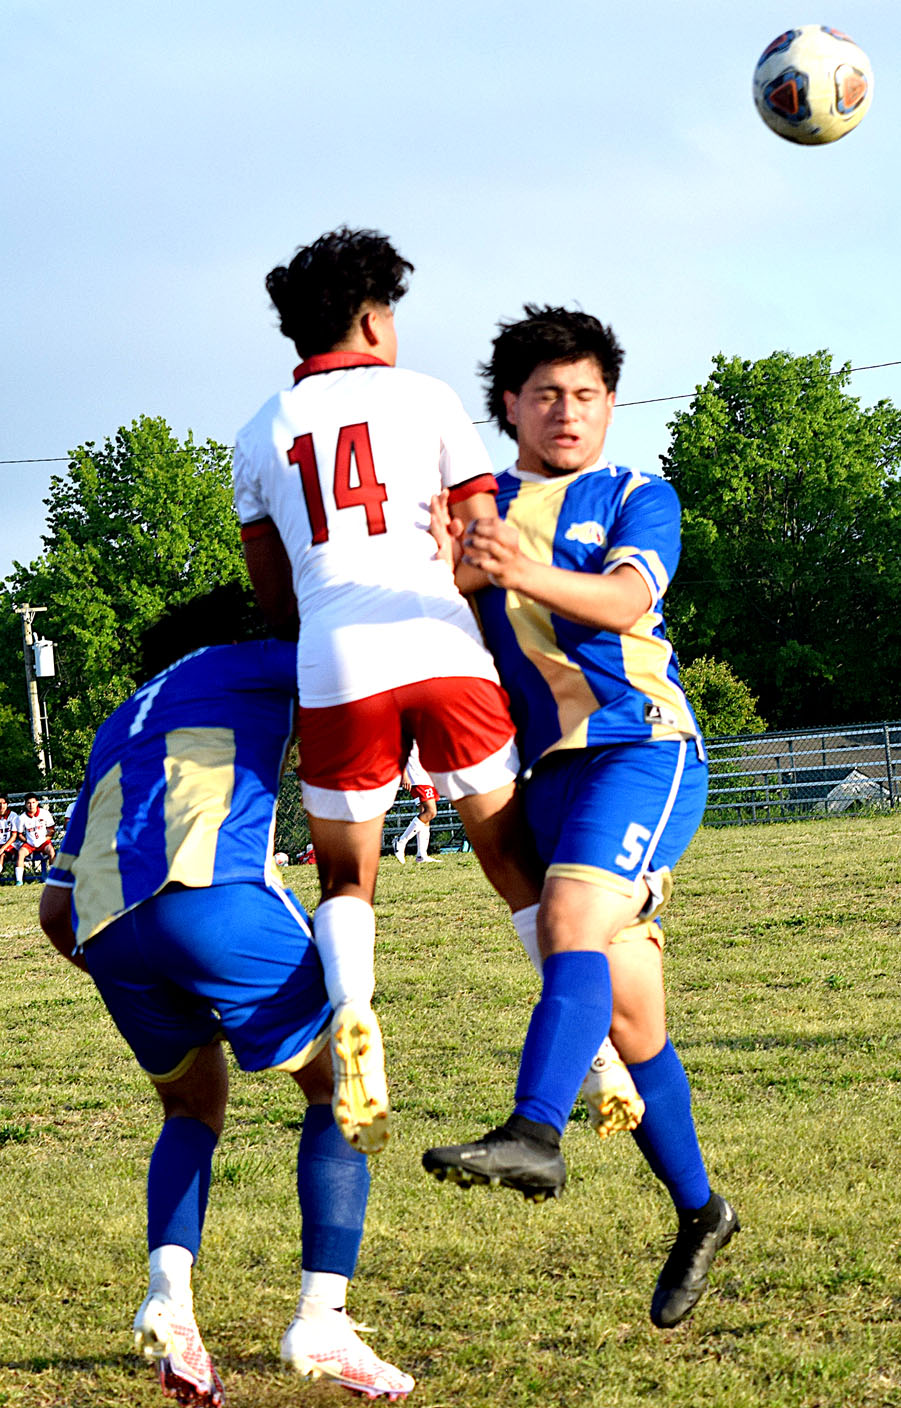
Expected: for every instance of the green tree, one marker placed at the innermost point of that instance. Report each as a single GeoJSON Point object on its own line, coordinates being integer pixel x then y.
{"type": "Point", "coordinates": [722, 702]}
{"type": "Point", "coordinates": [133, 526]}
{"type": "Point", "coordinates": [791, 538]}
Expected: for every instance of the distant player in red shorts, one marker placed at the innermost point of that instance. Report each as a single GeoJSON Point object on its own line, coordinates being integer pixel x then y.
{"type": "Point", "coordinates": [36, 827]}
{"type": "Point", "coordinates": [422, 790]}
{"type": "Point", "coordinates": [333, 479]}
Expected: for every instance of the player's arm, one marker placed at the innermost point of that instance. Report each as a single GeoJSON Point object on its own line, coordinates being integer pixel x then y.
{"type": "Point", "coordinates": [450, 514]}
{"type": "Point", "coordinates": [270, 575]}
{"type": "Point", "coordinates": [613, 601]}
{"type": "Point", "coordinates": [55, 918]}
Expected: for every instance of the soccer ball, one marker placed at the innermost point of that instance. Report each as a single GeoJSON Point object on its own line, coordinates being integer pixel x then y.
{"type": "Point", "coordinates": [812, 84]}
{"type": "Point", "coordinates": [280, 858]}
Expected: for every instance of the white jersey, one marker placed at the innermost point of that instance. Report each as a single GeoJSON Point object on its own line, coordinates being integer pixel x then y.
{"type": "Point", "coordinates": [9, 827]}
{"type": "Point", "coordinates": [35, 828]}
{"type": "Point", "coordinates": [344, 463]}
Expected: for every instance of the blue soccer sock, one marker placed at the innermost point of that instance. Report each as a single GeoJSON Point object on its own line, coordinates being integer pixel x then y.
{"type": "Point", "coordinates": [333, 1189]}
{"type": "Point", "coordinates": [568, 1024]}
{"type": "Point", "coordinates": [666, 1135]}
{"type": "Point", "coordinates": [178, 1183]}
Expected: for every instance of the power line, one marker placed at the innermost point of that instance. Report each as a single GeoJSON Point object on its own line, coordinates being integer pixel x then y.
{"type": "Point", "coordinates": [620, 405]}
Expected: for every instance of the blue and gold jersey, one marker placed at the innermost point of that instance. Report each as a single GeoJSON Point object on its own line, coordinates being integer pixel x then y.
{"type": "Point", "coordinates": [182, 782]}
{"type": "Point", "coordinates": [571, 686]}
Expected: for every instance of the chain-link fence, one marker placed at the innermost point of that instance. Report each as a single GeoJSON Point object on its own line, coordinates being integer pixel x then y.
{"type": "Point", "coordinates": [754, 777]}
{"type": "Point", "coordinates": [804, 773]}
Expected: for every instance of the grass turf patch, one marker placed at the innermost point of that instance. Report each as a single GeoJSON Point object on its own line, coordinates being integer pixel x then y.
{"type": "Point", "coordinates": [782, 974]}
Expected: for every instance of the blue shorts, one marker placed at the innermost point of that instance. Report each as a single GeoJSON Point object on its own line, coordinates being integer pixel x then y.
{"type": "Point", "coordinates": [188, 966]}
{"type": "Point", "coordinates": [617, 816]}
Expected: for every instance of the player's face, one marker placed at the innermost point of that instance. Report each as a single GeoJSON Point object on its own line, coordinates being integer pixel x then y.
{"type": "Point", "coordinates": [561, 416]}
{"type": "Point", "coordinates": [31, 807]}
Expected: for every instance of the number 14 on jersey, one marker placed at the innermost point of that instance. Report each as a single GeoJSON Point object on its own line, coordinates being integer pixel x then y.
{"type": "Point", "coordinates": [368, 493]}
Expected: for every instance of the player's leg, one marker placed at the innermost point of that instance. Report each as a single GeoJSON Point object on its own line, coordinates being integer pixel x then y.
{"type": "Point", "coordinates": [332, 1188]}
{"type": "Point", "coordinates": [667, 1136]}
{"type": "Point", "coordinates": [347, 854]}
{"type": "Point", "coordinates": [22, 855]}
{"type": "Point", "coordinates": [428, 810]}
{"type": "Point", "coordinates": [350, 770]}
{"type": "Point", "coordinates": [174, 1037]}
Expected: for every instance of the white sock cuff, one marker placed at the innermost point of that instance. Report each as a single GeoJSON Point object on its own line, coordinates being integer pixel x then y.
{"type": "Point", "coordinates": [321, 1290]}
{"type": "Point", "coordinates": [170, 1272]}
{"type": "Point", "coordinates": [525, 922]}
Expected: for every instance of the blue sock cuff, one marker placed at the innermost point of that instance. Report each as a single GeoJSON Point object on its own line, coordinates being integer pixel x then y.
{"type": "Point", "coordinates": [580, 971]}
{"type": "Point", "coordinates": [660, 1065]}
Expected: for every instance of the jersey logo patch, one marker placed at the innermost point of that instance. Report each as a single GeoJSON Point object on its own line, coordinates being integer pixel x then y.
{"type": "Point", "coordinates": [654, 714]}
{"type": "Point", "coordinates": [588, 533]}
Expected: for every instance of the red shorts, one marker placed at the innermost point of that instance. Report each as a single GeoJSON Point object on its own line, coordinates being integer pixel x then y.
{"type": "Point", "coordinates": [31, 850]}
{"type": "Point", "coordinates": [352, 754]}
{"type": "Point", "coordinates": [424, 792]}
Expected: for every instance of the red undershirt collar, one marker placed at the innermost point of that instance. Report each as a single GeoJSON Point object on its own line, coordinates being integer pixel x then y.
{"type": "Point", "coordinates": [335, 361]}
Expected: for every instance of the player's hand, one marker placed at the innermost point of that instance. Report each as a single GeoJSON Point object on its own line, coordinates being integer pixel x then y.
{"type": "Point", "coordinates": [492, 544]}
{"type": "Point", "coordinates": [445, 530]}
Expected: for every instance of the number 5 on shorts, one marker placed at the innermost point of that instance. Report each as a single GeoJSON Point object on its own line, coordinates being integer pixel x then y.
{"type": "Point", "coordinates": [634, 842]}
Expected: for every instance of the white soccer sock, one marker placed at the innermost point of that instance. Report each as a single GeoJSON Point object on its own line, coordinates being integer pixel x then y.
{"type": "Point", "coordinates": [20, 874]}
{"type": "Point", "coordinates": [402, 840]}
{"type": "Point", "coordinates": [525, 922]}
{"type": "Point", "coordinates": [321, 1290]}
{"type": "Point", "coordinates": [170, 1273]}
{"type": "Point", "coordinates": [422, 838]}
{"type": "Point", "coordinates": [344, 934]}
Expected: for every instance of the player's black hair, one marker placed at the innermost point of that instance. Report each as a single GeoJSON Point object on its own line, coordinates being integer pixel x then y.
{"type": "Point", "coordinates": [327, 282]}
{"type": "Point", "coordinates": [32, 797]}
{"type": "Point", "coordinates": [545, 335]}
{"type": "Point", "coordinates": [222, 616]}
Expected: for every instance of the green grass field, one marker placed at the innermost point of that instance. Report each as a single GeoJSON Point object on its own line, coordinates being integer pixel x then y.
{"type": "Point", "coordinates": [782, 972]}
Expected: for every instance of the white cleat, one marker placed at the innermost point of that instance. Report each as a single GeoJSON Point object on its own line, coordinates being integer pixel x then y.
{"type": "Point", "coordinates": [428, 860]}
{"type": "Point", "coordinates": [325, 1345]}
{"type": "Point", "coordinates": [167, 1333]}
{"type": "Point", "coordinates": [614, 1105]}
{"type": "Point", "coordinates": [398, 852]}
{"type": "Point", "coordinates": [360, 1101]}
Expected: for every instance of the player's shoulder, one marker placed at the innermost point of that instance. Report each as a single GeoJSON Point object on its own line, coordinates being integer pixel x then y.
{"type": "Point", "coordinates": [625, 482]}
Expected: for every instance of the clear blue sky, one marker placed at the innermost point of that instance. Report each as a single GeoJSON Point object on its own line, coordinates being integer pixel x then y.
{"type": "Point", "coordinates": [161, 157]}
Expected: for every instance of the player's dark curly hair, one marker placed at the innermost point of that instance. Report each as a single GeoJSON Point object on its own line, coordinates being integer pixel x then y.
{"type": "Point", "coordinates": [221, 616]}
{"type": "Point", "coordinates": [327, 282]}
{"type": "Point", "coordinates": [545, 335]}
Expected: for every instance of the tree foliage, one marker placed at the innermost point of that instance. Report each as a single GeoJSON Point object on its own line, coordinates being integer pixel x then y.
{"type": "Point", "coordinates": [722, 702]}
{"type": "Point", "coordinates": [133, 526]}
{"type": "Point", "coordinates": [791, 538]}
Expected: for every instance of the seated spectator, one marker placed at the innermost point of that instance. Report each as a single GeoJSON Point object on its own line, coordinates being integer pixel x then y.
{"type": "Point", "coordinates": [36, 826]}
{"type": "Point", "coordinates": [9, 831]}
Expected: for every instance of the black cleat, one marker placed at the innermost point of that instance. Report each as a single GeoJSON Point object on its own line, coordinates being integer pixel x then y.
{"type": "Point", "coordinates": [508, 1156]}
{"type": "Point", "coordinates": [683, 1279]}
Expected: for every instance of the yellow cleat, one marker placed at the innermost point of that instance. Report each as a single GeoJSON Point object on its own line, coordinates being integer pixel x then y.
{"type": "Point", "coordinates": [614, 1105]}
{"type": "Point", "coordinates": [360, 1101]}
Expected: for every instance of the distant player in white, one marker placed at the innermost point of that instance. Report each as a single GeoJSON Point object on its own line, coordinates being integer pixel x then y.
{"type": "Point", "coordinates": [417, 781]}
{"type": "Point", "coordinates": [36, 827]}
{"type": "Point", "coordinates": [9, 831]}
{"type": "Point", "coordinates": [333, 479]}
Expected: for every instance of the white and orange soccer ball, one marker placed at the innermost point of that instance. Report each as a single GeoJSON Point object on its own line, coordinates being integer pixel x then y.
{"type": "Point", "coordinates": [280, 858]}
{"type": "Point", "coordinates": [813, 84]}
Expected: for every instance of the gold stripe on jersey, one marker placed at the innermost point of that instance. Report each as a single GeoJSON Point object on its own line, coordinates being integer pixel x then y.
{"type": "Point", "coordinates": [200, 780]}
{"type": "Point", "coordinates": [98, 884]}
{"type": "Point", "coordinates": [532, 626]}
{"type": "Point", "coordinates": [653, 560]}
{"type": "Point", "coordinates": [595, 875]}
{"type": "Point", "coordinates": [646, 658]}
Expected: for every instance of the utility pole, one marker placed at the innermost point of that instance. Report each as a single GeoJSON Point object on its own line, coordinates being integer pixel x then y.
{"type": "Point", "coordinates": [28, 614]}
